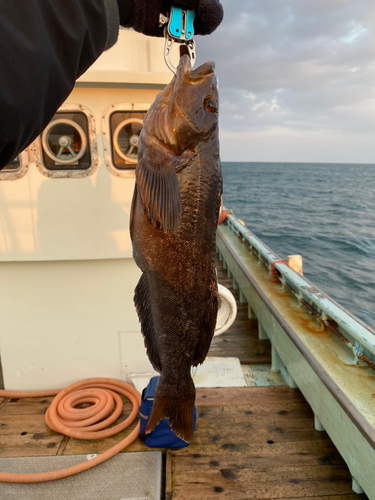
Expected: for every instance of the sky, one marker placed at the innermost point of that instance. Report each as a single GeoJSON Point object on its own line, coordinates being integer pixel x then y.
{"type": "Point", "coordinates": [296, 80]}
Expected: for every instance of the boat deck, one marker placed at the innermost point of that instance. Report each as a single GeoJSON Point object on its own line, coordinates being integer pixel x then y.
{"type": "Point", "coordinates": [250, 442]}
{"type": "Point", "coordinates": [241, 340]}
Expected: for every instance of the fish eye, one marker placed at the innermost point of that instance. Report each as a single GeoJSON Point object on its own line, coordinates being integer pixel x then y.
{"type": "Point", "coordinates": [211, 104]}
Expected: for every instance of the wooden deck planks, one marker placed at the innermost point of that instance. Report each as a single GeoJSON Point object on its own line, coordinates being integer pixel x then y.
{"type": "Point", "coordinates": [240, 395]}
{"type": "Point", "coordinates": [23, 432]}
{"type": "Point", "coordinates": [258, 443]}
{"type": "Point", "coordinates": [250, 442]}
{"type": "Point", "coordinates": [241, 340]}
{"type": "Point", "coordinates": [273, 483]}
{"type": "Point", "coordinates": [30, 445]}
{"type": "Point", "coordinates": [255, 455]}
{"type": "Point", "coordinates": [27, 406]}
{"type": "Point", "coordinates": [251, 351]}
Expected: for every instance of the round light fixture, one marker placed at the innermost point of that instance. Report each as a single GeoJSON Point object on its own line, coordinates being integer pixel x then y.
{"type": "Point", "coordinates": [126, 139]}
{"type": "Point", "coordinates": [64, 141]}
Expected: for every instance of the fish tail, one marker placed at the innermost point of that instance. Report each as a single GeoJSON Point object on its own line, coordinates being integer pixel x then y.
{"type": "Point", "coordinates": [176, 402]}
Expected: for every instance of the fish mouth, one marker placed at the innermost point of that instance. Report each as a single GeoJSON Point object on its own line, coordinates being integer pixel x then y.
{"type": "Point", "coordinates": [184, 69]}
{"type": "Point", "coordinates": [184, 65]}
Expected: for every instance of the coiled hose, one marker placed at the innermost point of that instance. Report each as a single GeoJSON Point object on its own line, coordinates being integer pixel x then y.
{"type": "Point", "coordinates": [85, 423]}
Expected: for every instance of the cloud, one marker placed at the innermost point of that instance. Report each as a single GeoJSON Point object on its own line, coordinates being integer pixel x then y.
{"type": "Point", "coordinates": [301, 65]}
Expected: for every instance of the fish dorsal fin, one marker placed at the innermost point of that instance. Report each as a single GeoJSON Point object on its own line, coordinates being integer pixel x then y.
{"type": "Point", "coordinates": [158, 186]}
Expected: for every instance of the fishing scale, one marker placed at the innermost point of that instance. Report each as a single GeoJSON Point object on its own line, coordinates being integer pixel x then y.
{"type": "Point", "coordinates": [178, 28]}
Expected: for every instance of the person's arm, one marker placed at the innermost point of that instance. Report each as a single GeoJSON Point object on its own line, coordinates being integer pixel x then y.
{"type": "Point", "coordinates": [47, 44]}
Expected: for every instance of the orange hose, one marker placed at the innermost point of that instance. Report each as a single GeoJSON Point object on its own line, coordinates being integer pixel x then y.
{"type": "Point", "coordinates": [85, 423]}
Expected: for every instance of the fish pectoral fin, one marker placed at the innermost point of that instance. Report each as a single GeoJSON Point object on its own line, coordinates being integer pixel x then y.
{"type": "Point", "coordinates": [142, 301]}
{"type": "Point", "coordinates": [159, 191]}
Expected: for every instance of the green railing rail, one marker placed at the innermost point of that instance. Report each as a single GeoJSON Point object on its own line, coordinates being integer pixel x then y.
{"type": "Point", "coordinates": [358, 336]}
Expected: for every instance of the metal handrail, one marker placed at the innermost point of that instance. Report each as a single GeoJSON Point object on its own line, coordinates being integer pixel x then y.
{"type": "Point", "coordinates": [356, 334]}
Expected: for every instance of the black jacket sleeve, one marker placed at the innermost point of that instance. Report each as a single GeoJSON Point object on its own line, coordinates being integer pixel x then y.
{"type": "Point", "coordinates": [45, 46]}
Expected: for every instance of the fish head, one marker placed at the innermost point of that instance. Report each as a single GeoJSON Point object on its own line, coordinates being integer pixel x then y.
{"type": "Point", "coordinates": [194, 104]}
{"type": "Point", "coordinates": [186, 112]}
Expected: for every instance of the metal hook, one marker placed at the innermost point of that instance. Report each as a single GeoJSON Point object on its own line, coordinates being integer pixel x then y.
{"type": "Point", "coordinates": [179, 29]}
{"type": "Point", "coordinates": [185, 48]}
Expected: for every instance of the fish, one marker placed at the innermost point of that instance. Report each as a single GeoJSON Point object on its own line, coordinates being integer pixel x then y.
{"type": "Point", "coordinates": [174, 216]}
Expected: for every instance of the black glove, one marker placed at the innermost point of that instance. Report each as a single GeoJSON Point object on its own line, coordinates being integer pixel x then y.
{"type": "Point", "coordinates": [143, 15]}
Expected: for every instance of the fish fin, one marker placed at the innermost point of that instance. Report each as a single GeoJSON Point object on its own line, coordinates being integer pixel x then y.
{"type": "Point", "coordinates": [176, 404]}
{"type": "Point", "coordinates": [132, 208]}
{"type": "Point", "coordinates": [143, 306]}
{"type": "Point", "coordinates": [207, 327]}
{"type": "Point", "coordinates": [159, 190]}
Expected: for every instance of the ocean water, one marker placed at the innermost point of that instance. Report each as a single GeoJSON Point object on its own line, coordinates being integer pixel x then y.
{"type": "Point", "coordinates": [325, 212]}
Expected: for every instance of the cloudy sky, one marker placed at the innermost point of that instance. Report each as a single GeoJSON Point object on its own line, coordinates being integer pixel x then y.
{"type": "Point", "coordinates": [297, 80]}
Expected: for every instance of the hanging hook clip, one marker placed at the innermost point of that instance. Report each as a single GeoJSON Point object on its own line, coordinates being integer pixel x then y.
{"type": "Point", "coordinates": [178, 29]}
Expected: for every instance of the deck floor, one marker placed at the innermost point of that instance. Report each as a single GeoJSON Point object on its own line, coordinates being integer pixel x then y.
{"type": "Point", "coordinates": [249, 443]}
{"type": "Point", "coordinates": [241, 340]}
{"type": "Point", "coordinates": [258, 443]}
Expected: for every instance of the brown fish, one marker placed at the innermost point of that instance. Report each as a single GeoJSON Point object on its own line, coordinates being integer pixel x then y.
{"type": "Point", "coordinates": [173, 223]}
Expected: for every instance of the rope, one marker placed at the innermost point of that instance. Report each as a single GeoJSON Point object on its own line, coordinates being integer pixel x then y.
{"type": "Point", "coordinates": [87, 423]}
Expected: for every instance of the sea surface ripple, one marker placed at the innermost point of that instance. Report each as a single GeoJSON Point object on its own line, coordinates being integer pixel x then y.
{"type": "Point", "coordinates": [325, 212]}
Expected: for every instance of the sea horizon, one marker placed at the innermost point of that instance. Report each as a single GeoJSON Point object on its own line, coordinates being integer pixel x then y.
{"type": "Point", "coordinates": [327, 217]}
{"type": "Point", "coordinates": [298, 162]}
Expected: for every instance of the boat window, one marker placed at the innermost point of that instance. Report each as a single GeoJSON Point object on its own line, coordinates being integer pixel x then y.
{"type": "Point", "coordinates": [68, 146]}
{"type": "Point", "coordinates": [16, 169]}
{"type": "Point", "coordinates": [125, 129]}
{"type": "Point", "coordinates": [13, 166]}
{"type": "Point", "coordinates": [122, 125]}
{"type": "Point", "coordinates": [65, 143]}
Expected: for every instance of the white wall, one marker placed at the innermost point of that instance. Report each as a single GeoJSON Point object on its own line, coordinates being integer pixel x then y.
{"type": "Point", "coordinates": [66, 321]}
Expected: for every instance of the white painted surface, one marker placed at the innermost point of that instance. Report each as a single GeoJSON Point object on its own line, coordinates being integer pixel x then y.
{"type": "Point", "coordinates": [219, 372]}
{"type": "Point", "coordinates": [67, 321]}
{"type": "Point", "coordinates": [214, 372]}
{"type": "Point", "coordinates": [65, 219]}
{"type": "Point", "coordinates": [135, 58]}
{"type": "Point", "coordinates": [141, 380]}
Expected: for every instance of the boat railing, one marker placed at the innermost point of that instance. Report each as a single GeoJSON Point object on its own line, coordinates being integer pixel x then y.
{"type": "Point", "coordinates": [358, 336]}
{"type": "Point", "coordinates": [311, 354]}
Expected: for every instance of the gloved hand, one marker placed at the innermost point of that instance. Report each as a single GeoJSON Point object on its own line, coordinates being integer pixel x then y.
{"type": "Point", "coordinates": [143, 15]}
